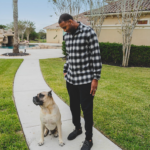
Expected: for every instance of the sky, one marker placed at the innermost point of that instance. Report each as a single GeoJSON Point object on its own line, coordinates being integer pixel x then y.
{"type": "Point", "coordinates": [37, 11]}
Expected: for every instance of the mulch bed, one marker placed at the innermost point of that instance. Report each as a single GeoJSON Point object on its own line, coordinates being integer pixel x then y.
{"type": "Point", "coordinates": [15, 54]}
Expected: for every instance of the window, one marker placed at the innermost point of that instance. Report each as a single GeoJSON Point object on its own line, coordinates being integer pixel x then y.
{"type": "Point", "coordinates": [142, 22]}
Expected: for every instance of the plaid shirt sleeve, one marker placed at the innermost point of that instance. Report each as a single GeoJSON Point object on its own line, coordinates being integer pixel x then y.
{"type": "Point", "coordinates": [66, 64]}
{"type": "Point", "coordinates": [95, 54]}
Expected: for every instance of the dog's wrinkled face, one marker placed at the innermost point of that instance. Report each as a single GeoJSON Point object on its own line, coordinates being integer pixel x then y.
{"type": "Point", "coordinates": [42, 98]}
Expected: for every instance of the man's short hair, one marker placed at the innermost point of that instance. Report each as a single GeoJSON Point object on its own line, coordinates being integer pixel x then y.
{"type": "Point", "coordinates": [64, 17]}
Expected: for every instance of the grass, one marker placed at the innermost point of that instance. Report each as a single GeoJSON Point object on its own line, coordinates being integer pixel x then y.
{"type": "Point", "coordinates": [38, 41]}
{"type": "Point", "coordinates": [11, 135]}
{"type": "Point", "coordinates": [121, 104]}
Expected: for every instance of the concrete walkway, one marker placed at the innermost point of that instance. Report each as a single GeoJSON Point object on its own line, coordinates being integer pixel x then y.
{"type": "Point", "coordinates": [28, 82]}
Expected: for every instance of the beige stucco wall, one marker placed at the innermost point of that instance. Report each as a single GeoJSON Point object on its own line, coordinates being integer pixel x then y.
{"type": "Point", "coordinates": [111, 20]}
{"type": "Point", "coordinates": [140, 36]}
{"type": "Point", "coordinates": [111, 32]}
{"type": "Point", "coordinates": [54, 36]}
{"type": "Point", "coordinates": [61, 36]}
{"type": "Point", "coordinates": [110, 35]}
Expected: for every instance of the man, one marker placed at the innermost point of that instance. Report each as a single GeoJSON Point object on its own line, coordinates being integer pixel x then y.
{"type": "Point", "coordinates": [82, 72]}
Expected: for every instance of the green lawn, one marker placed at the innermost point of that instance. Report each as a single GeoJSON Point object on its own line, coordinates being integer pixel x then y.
{"type": "Point", "coordinates": [121, 104]}
{"type": "Point", "coordinates": [11, 135]}
{"type": "Point", "coordinates": [38, 41]}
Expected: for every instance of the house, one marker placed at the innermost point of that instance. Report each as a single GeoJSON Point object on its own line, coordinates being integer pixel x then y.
{"type": "Point", "coordinates": [111, 28]}
{"type": "Point", "coordinates": [55, 34]}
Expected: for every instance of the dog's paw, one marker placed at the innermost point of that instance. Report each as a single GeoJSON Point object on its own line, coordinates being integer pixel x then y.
{"type": "Point", "coordinates": [41, 143]}
{"type": "Point", "coordinates": [61, 143]}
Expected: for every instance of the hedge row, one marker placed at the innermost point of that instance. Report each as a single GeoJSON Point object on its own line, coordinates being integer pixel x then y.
{"type": "Point", "coordinates": [112, 53]}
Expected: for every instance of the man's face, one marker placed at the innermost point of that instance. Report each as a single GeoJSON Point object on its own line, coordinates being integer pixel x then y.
{"type": "Point", "coordinates": [67, 26]}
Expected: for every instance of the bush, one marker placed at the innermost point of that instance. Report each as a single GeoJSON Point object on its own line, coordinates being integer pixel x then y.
{"type": "Point", "coordinates": [2, 26]}
{"type": "Point", "coordinates": [64, 48]}
{"type": "Point", "coordinates": [112, 53]}
{"type": "Point", "coordinates": [140, 56]}
{"type": "Point", "coordinates": [34, 35]}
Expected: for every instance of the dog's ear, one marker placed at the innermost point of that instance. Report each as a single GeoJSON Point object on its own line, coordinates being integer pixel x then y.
{"type": "Point", "coordinates": [50, 93]}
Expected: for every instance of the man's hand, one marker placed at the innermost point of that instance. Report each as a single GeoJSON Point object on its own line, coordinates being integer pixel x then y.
{"type": "Point", "coordinates": [65, 74]}
{"type": "Point", "coordinates": [94, 87]}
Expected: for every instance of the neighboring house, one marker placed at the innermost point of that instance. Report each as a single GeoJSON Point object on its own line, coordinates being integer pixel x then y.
{"type": "Point", "coordinates": [111, 29]}
{"type": "Point", "coordinates": [55, 33]}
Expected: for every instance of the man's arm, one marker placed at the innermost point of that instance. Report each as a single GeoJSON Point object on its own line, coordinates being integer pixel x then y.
{"type": "Point", "coordinates": [66, 64]}
{"type": "Point", "coordinates": [96, 59]}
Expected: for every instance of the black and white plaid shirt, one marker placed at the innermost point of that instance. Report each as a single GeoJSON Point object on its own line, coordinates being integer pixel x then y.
{"type": "Point", "coordinates": [83, 56]}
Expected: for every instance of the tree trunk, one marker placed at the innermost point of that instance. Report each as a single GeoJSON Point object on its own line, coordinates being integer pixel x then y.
{"type": "Point", "coordinates": [130, 10]}
{"type": "Point", "coordinates": [15, 16]}
{"type": "Point", "coordinates": [27, 37]}
{"type": "Point", "coordinates": [22, 36]}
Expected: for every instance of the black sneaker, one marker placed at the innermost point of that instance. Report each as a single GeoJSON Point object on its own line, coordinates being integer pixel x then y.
{"type": "Point", "coordinates": [87, 145]}
{"type": "Point", "coordinates": [74, 134]}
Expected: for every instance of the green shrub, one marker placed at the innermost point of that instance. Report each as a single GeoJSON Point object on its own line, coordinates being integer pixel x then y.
{"type": "Point", "coordinates": [112, 53]}
{"type": "Point", "coordinates": [34, 35]}
{"type": "Point", "coordinates": [140, 56]}
{"type": "Point", "coordinates": [64, 48]}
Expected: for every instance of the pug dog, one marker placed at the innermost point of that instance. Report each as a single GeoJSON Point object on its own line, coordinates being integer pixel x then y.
{"type": "Point", "coordinates": [50, 116]}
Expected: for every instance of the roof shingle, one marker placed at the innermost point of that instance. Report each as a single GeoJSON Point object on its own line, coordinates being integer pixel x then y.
{"type": "Point", "coordinates": [114, 7]}
{"type": "Point", "coordinates": [110, 8]}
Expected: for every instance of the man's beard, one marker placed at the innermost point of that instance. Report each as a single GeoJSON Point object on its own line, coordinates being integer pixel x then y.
{"type": "Point", "coordinates": [72, 31]}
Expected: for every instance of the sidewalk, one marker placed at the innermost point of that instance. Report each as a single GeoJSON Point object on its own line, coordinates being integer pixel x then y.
{"type": "Point", "coordinates": [28, 82]}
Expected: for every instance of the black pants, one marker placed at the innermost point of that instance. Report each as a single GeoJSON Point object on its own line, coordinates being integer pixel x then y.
{"type": "Point", "coordinates": [80, 94]}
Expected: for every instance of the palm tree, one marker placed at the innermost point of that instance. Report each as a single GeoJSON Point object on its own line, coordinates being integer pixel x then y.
{"type": "Point", "coordinates": [15, 16]}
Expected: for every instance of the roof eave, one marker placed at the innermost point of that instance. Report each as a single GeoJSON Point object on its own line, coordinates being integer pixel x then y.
{"type": "Point", "coordinates": [112, 14]}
